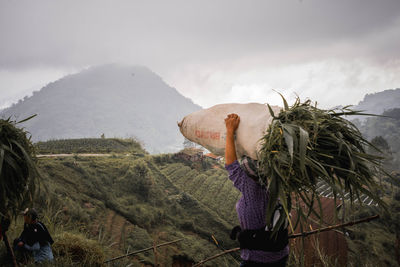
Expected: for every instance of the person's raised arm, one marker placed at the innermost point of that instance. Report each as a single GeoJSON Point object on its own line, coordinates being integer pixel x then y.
{"type": "Point", "coordinates": [231, 123]}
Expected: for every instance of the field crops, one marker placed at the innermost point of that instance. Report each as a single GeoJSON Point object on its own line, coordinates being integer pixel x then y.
{"type": "Point", "coordinates": [212, 188]}
{"type": "Point", "coordinates": [88, 145]}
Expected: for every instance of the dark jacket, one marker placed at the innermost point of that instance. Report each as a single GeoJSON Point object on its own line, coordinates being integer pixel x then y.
{"type": "Point", "coordinates": [36, 232]}
{"type": "Point", "coordinates": [37, 239]}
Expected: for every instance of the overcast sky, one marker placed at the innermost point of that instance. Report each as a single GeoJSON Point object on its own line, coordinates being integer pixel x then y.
{"type": "Point", "coordinates": [212, 51]}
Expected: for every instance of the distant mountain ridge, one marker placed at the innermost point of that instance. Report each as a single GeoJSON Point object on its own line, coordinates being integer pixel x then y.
{"type": "Point", "coordinates": [380, 102]}
{"type": "Point", "coordinates": [114, 100]}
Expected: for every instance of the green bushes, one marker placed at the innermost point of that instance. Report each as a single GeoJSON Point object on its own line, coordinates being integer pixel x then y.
{"type": "Point", "coordinates": [137, 180]}
{"type": "Point", "coordinates": [89, 145]}
{"type": "Point", "coordinates": [139, 238]}
{"type": "Point", "coordinates": [162, 159]}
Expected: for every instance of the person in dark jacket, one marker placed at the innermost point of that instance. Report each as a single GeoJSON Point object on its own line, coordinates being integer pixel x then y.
{"type": "Point", "coordinates": [251, 210]}
{"type": "Point", "coordinates": [35, 238]}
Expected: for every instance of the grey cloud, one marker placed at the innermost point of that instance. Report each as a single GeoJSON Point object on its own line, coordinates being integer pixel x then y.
{"type": "Point", "coordinates": [165, 33]}
{"type": "Point", "coordinates": [209, 50]}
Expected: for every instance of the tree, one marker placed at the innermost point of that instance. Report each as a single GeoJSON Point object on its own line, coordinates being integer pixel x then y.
{"type": "Point", "coordinates": [393, 113]}
{"type": "Point", "coordinates": [137, 180]}
{"type": "Point", "coordinates": [18, 174]}
{"type": "Point", "coordinates": [381, 143]}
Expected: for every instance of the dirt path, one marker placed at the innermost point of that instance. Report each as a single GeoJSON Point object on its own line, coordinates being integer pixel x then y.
{"type": "Point", "coordinates": [118, 228]}
{"type": "Point", "coordinates": [72, 155]}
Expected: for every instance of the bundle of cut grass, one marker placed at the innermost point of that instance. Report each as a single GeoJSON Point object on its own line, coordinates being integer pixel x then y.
{"type": "Point", "coordinates": [17, 168]}
{"type": "Point", "coordinates": [78, 250]}
{"type": "Point", "coordinates": [305, 144]}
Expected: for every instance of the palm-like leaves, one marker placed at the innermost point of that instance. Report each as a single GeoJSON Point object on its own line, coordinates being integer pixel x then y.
{"type": "Point", "coordinates": [304, 144]}
{"type": "Point", "coordinates": [17, 168]}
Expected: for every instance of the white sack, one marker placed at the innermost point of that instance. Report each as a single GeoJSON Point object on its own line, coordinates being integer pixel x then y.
{"type": "Point", "coordinates": [207, 127]}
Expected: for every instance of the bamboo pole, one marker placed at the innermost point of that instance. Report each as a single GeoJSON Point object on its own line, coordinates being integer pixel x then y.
{"type": "Point", "coordinates": [296, 235]}
{"type": "Point", "coordinates": [155, 253]}
{"type": "Point", "coordinates": [334, 227]}
{"type": "Point", "coordinates": [143, 250]}
{"type": "Point", "coordinates": [216, 256]}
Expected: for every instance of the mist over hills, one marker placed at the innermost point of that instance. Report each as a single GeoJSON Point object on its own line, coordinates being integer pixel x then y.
{"type": "Point", "coordinates": [114, 100]}
{"type": "Point", "coordinates": [378, 103]}
{"type": "Point", "coordinates": [127, 101]}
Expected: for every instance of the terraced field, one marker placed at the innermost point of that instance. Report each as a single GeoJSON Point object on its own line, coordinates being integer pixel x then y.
{"type": "Point", "coordinates": [324, 190]}
{"type": "Point", "coordinates": [211, 188]}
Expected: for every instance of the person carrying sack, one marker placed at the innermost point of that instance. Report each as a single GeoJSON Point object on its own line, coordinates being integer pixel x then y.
{"type": "Point", "coordinates": [35, 238]}
{"type": "Point", "coordinates": [259, 248]}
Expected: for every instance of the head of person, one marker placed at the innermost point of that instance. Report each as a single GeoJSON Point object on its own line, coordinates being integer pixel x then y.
{"type": "Point", "coordinates": [30, 215]}
{"type": "Point", "coordinates": [251, 168]}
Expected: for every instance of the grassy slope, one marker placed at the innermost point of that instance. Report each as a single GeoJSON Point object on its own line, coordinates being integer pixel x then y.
{"type": "Point", "coordinates": [374, 243]}
{"type": "Point", "coordinates": [128, 202]}
{"type": "Point", "coordinates": [164, 208]}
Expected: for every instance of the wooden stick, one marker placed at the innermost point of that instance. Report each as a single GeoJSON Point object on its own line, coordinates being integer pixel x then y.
{"type": "Point", "coordinates": [142, 250]}
{"type": "Point", "coordinates": [334, 227]}
{"type": "Point", "coordinates": [155, 254]}
{"type": "Point", "coordinates": [9, 249]}
{"type": "Point", "coordinates": [296, 235]}
{"type": "Point", "coordinates": [216, 256]}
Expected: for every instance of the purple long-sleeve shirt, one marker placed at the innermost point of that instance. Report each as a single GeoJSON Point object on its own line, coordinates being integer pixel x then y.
{"type": "Point", "coordinates": [251, 210]}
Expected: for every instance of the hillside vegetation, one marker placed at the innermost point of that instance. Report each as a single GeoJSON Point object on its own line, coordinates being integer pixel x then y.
{"type": "Point", "coordinates": [89, 145]}
{"type": "Point", "coordinates": [100, 207]}
{"type": "Point", "coordinates": [387, 127]}
{"type": "Point", "coordinates": [127, 203]}
{"type": "Point", "coordinates": [210, 187]}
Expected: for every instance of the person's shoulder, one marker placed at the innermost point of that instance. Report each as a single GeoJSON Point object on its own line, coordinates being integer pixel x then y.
{"type": "Point", "coordinates": [232, 165]}
{"type": "Point", "coordinates": [40, 226]}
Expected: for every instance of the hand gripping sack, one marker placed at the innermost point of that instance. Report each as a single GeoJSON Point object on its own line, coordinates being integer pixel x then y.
{"type": "Point", "coordinates": [207, 127]}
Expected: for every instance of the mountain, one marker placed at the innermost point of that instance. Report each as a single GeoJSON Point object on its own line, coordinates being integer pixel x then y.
{"type": "Point", "coordinates": [379, 102]}
{"type": "Point", "coordinates": [114, 100]}
{"type": "Point", "coordinates": [385, 103]}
